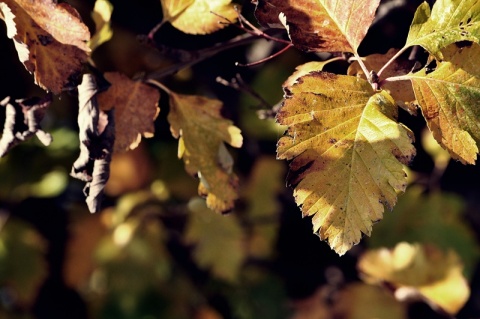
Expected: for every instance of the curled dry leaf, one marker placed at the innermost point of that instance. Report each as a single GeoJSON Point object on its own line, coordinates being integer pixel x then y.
{"type": "Point", "coordinates": [33, 111]}
{"type": "Point", "coordinates": [197, 123]}
{"type": "Point", "coordinates": [435, 274]}
{"type": "Point", "coordinates": [136, 108]}
{"type": "Point", "coordinates": [50, 38]}
{"type": "Point", "coordinates": [199, 16]}
{"type": "Point", "coordinates": [96, 133]}
{"type": "Point", "coordinates": [101, 15]}
{"type": "Point", "coordinates": [320, 25]}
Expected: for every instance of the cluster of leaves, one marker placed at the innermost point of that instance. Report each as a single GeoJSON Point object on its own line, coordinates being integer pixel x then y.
{"type": "Point", "coordinates": [346, 149]}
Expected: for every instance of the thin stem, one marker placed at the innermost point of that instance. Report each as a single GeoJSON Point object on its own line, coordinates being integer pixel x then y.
{"type": "Point", "coordinates": [391, 60]}
{"type": "Point", "coordinates": [152, 32]}
{"type": "Point", "coordinates": [159, 85]}
{"type": "Point", "coordinates": [200, 55]}
{"type": "Point", "coordinates": [395, 78]}
{"type": "Point", "coordinates": [362, 65]}
{"type": "Point", "coordinates": [288, 46]}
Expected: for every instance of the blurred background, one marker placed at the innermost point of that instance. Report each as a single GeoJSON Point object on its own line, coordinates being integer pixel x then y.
{"type": "Point", "coordinates": [156, 251]}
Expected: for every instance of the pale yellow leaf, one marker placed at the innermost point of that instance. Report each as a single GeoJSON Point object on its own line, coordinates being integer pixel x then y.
{"type": "Point", "coordinates": [101, 15]}
{"type": "Point", "coordinates": [204, 16]}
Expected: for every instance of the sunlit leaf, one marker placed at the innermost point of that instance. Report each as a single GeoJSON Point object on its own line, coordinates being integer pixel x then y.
{"type": "Point", "coordinates": [435, 218]}
{"type": "Point", "coordinates": [136, 108]}
{"type": "Point", "coordinates": [172, 8]}
{"type": "Point", "coordinates": [401, 91]}
{"type": "Point", "coordinates": [101, 15]}
{"type": "Point", "coordinates": [201, 16]}
{"type": "Point", "coordinates": [51, 40]}
{"type": "Point", "coordinates": [435, 274]}
{"type": "Point", "coordinates": [320, 25]}
{"type": "Point", "coordinates": [304, 69]}
{"type": "Point", "coordinates": [202, 132]}
{"type": "Point", "coordinates": [218, 240]}
{"type": "Point", "coordinates": [448, 97]}
{"type": "Point", "coordinates": [346, 152]}
{"type": "Point", "coordinates": [449, 21]}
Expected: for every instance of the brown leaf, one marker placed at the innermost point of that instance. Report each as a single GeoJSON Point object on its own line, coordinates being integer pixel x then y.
{"type": "Point", "coordinates": [136, 108]}
{"type": "Point", "coordinates": [50, 39]}
{"type": "Point", "coordinates": [320, 25]}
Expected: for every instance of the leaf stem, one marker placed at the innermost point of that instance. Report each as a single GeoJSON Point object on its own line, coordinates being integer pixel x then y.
{"type": "Point", "coordinates": [288, 46]}
{"type": "Point", "coordinates": [159, 85]}
{"type": "Point", "coordinates": [379, 73]}
{"type": "Point", "coordinates": [362, 65]}
{"type": "Point", "coordinates": [200, 55]}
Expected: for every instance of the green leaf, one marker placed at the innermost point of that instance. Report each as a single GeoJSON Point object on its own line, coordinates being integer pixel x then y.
{"type": "Point", "coordinates": [346, 152]}
{"type": "Point", "coordinates": [449, 21]}
{"type": "Point", "coordinates": [448, 99]}
{"type": "Point", "coordinates": [202, 131]}
{"type": "Point", "coordinates": [218, 240]}
{"type": "Point", "coordinates": [320, 25]}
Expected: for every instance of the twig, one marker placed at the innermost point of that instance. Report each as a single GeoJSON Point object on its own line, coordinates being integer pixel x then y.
{"type": "Point", "coordinates": [237, 83]}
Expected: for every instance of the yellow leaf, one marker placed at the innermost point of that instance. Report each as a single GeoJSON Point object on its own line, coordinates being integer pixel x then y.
{"type": "Point", "coordinates": [435, 274]}
{"type": "Point", "coordinates": [320, 25]}
{"type": "Point", "coordinates": [101, 15]}
{"type": "Point", "coordinates": [346, 152]}
{"type": "Point", "coordinates": [201, 130]}
{"type": "Point", "coordinates": [172, 8]}
{"type": "Point", "coordinates": [50, 39]}
{"type": "Point", "coordinates": [202, 16]}
{"type": "Point", "coordinates": [304, 69]}
{"type": "Point", "coordinates": [136, 108]}
{"type": "Point", "coordinates": [448, 98]}
{"type": "Point", "coordinates": [218, 240]}
{"type": "Point", "coordinates": [401, 91]}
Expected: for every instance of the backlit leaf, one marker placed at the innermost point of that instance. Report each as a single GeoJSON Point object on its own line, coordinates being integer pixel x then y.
{"type": "Point", "coordinates": [401, 91]}
{"type": "Point", "coordinates": [320, 25]}
{"type": "Point", "coordinates": [449, 21]}
{"type": "Point", "coordinates": [218, 240]}
{"type": "Point", "coordinates": [50, 39]}
{"type": "Point", "coordinates": [201, 16]}
{"type": "Point", "coordinates": [172, 8]}
{"type": "Point", "coordinates": [435, 274]}
{"type": "Point", "coordinates": [136, 108]}
{"type": "Point", "coordinates": [346, 152]}
{"type": "Point", "coordinates": [202, 131]}
{"type": "Point", "coordinates": [101, 15]}
{"type": "Point", "coordinates": [448, 99]}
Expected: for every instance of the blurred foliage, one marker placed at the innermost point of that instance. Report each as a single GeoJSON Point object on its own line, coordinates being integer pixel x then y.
{"type": "Point", "coordinates": [156, 251]}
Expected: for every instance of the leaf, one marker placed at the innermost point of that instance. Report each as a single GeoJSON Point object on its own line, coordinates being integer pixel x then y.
{"type": "Point", "coordinates": [346, 152]}
{"type": "Point", "coordinates": [218, 240]}
{"type": "Point", "coordinates": [434, 274]}
{"type": "Point", "coordinates": [50, 39]}
{"type": "Point", "coordinates": [304, 69]}
{"type": "Point", "coordinates": [449, 21]}
{"type": "Point", "coordinates": [136, 108]}
{"type": "Point", "coordinates": [359, 300]}
{"type": "Point", "coordinates": [448, 98]}
{"type": "Point", "coordinates": [199, 16]}
{"type": "Point", "coordinates": [96, 134]}
{"type": "Point", "coordinates": [101, 15]}
{"type": "Point", "coordinates": [437, 218]}
{"type": "Point", "coordinates": [23, 267]}
{"type": "Point", "coordinates": [320, 25]}
{"type": "Point", "coordinates": [202, 131]}
{"type": "Point", "coordinates": [401, 91]}
{"type": "Point", "coordinates": [263, 207]}
{"type": "Point", "coordinates": [172, 8]}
